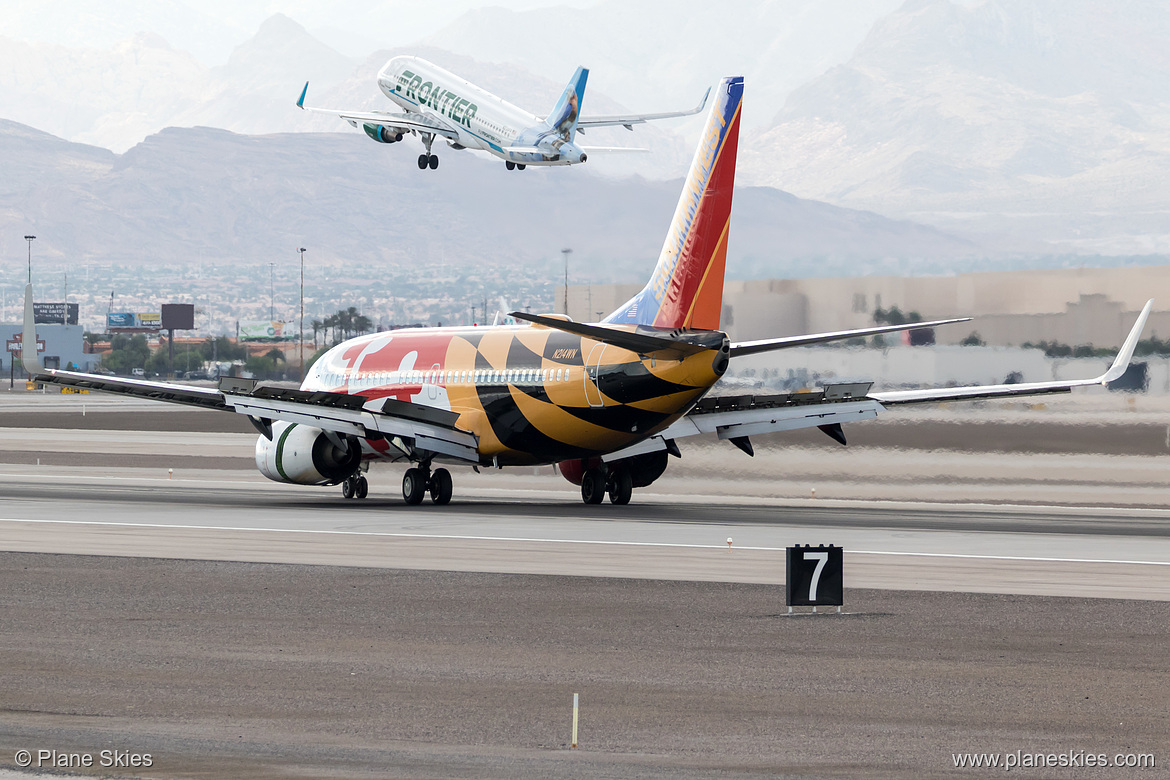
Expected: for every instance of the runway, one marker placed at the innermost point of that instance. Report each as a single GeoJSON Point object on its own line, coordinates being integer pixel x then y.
{"type": "Point", "coordinates": [531, 526]}
{"type": "Point", "coordinates": [162, 597]}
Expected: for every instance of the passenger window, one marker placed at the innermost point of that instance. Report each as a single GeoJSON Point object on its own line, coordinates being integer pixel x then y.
{"type": "Point", "coordinates": [558, 375]}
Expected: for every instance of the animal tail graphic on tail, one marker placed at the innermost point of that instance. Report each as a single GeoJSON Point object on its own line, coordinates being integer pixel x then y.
{"type": "Point", "coordinates": [565, 113]}
{"type": "Point", "coordinates": [686, 289]}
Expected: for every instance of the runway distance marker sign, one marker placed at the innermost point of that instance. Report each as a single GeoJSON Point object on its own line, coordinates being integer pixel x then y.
{"type": "Point", "coordinates": [815, 576]}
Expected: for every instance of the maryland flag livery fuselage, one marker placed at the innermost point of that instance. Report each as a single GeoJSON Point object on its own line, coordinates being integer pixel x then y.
{"type": "Point", "coordinates": [605, 401]}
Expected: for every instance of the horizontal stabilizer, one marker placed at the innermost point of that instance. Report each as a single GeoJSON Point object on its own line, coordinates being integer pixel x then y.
{"type": "Point", "coordinates": [767, 345]}
{"type": "Point", "coordinates": [612, 149]}
{"type": "Point", "coordinates": [635, 342]}
{"type": "Point", "coordinates": [629, 120]}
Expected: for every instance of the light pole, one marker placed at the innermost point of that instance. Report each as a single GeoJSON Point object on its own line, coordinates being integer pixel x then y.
{"type": "Point", "coordinates": [566, 253]}
{"type": "Point", "coordinates": [301, 338]}
{"type": "Point", "coordinates": [30, 239]}
{"type": "Point", "coordinates": [271, 288]}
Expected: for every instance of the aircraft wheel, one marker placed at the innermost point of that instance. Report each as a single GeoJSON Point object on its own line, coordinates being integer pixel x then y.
{"type": "Point", "coordinates": [348, 489]}
{"type": "Point", "coordinates": [441, 487]}
{"type": "Point", "coordinates": [397, 137]}
{"type": "Point", "coordinates": [509, 165]}
{"type": "Point", "coordinates": [622, 487]}
{"type": "Point", "coordinates": [414, 486]}
{"type": "Point", "coordinates": [362, 488]}
{"type": "Point", "coordinates": [592, 486]}
{"type": "Point", "coordinates": [423, 161]}
{"type": "Point", "coordinates": [520, 166]}
{"type": "Point", "coordinates": [434, 162]}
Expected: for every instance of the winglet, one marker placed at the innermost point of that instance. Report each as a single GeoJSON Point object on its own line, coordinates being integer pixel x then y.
{"type": "Point", "coordinates": [301, 99]}
{"type": "Point", "coordinates": [703, 102]}
{"type": "Point", "coordinates": [1121, 362]}
{"type": "Point", "coordinates": [28, 340]}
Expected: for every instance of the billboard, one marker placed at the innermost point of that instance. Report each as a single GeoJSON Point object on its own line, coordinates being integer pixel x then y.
{"type": "Point", "coordinates": [136, 321]}
{"type": "Point", "coordinates": [267, 330]}
{"type": "Point", "coordinates": [55, 313]}
{"type": "Point", "coordinates": [178, 316]}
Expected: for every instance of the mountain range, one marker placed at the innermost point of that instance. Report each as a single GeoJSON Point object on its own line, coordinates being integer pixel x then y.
{"type": "Point", "coordinates": [208, 195]}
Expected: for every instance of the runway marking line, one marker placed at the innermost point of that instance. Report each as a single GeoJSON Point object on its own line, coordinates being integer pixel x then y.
{"type": "Point", "coordinates": [458, 537]}
{"type": "Point", "coordinates": [781, 501]}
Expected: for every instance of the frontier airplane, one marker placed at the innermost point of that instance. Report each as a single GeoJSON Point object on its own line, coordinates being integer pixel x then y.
{"type": "Point", "coordinates": [439, 104]}
{"type": "Point", "coordinates": [607, 402]}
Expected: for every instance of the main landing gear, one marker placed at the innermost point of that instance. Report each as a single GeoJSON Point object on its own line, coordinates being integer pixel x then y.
{"type": "Point", "coordinates": [595, 483]}
{"type": "Point", "coordinates": [428, 160]}
{"type": "Point", "coordinates": [419, 480]}
{"type": "Point", "coordinates": [355, 487]}
{"type": "Point", "coordinates": [514, 166]}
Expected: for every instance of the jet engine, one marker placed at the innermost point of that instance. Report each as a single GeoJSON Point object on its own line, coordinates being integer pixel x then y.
{"type": "Point", "coordinates": [304, 455]}
{"type": "Point", "coordinates": [644, 468]}
{"type": "Point", "coordinates": [383, 134]}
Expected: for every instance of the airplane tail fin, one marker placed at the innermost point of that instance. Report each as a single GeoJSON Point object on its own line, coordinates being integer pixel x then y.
{"type": "Point", "coordinates": [564, 115]}
{"type": "Point", "coordinates": [686, 289]}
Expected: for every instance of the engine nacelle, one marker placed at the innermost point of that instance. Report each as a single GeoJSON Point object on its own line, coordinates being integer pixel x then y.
{"type": "Point", "coordinates": [383, 134]}
{"type": "Point", "coordinates": [304, 455]}
{"type": "Point", "coordinates": [644, 468]}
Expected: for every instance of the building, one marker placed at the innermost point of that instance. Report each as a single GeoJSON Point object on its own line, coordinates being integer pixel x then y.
{"type": "Point", "coordinates": [1078, 306]}
{"type": "Point", "coordinates": [64, 348]}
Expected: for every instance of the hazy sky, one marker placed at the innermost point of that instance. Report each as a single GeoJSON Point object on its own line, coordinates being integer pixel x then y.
{"type": "Point", "coordinates": [210, 29]}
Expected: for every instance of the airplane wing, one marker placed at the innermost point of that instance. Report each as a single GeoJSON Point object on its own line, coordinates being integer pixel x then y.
{"type": "Point", "coordinates": [1120, 364]}
{"type": "Point", "coordinates": [422, 122]}
{"type": "Point", "coordinates": [628, 121]}
{"type": "Point", "coordinates": [351, 415]}
{"type": "Point", "coordinates": [735, 418]}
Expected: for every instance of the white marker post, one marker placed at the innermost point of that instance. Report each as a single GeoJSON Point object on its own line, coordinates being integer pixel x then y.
{"type": "Point", "coordinates": [729, 544]}
{"type": "Point", "coordinates": [574, 745]}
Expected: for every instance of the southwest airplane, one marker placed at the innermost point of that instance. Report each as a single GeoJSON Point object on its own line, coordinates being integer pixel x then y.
{"type": "Point", "coordinates": [607, 401]}
{"type": "Point", "coordinates": [439, 104]}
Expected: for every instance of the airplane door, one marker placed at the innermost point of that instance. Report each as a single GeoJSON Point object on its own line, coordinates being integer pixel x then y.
{"type": "Point", "coordinates": [592, 367]}
{"type": "Point", "coordinates": [433, 387]}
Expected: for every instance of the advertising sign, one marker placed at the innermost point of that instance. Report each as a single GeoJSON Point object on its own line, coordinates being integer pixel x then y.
{"type": "Point", "coordinates": [257, 330]}
{"type": "Point", "coordinates": [55, 313]}
{"type": "Point", "coordinates": [128, 320]}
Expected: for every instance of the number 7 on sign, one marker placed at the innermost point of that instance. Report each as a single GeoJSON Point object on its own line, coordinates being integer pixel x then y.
{"type": "Point", "coordinates": [821, 558]}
